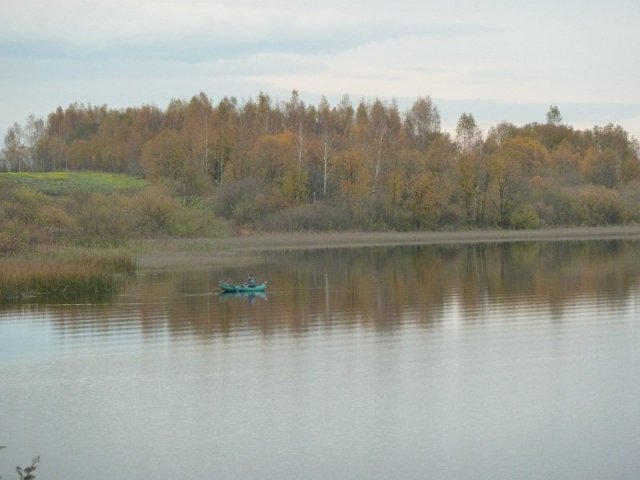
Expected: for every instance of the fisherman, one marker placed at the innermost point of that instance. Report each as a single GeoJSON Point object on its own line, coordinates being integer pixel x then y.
{"type": "Point", "coordinates": [250, 281]}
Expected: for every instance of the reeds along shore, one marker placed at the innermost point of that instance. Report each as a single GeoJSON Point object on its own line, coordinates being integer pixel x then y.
{"type": "Point", "coordinates": [82, 275]}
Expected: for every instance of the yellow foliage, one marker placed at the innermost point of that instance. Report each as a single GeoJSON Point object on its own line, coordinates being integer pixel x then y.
{"type": "Point", "coordinates": [353, 170]}
{"type": "Point", "coordinates": [428, 195]}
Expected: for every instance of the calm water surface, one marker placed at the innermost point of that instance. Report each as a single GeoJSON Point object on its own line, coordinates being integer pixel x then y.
{"type": "Point", "coordinates": [514, 361]}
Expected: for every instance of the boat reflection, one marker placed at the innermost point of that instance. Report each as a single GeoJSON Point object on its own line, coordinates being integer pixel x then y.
{"type": "Point", "coordinates": [250, 296]}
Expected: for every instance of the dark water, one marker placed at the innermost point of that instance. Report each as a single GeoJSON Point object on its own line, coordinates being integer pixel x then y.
{"type": "Point", "coordinates": [463, 362]}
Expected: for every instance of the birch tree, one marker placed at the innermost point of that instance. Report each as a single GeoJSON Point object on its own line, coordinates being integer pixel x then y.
{"type": "Point", "coordinates": [422, 121]}
{"type": "Point", "coordinates": [14, 147]}
{"type": "Point", "coordinates": [471, 169]}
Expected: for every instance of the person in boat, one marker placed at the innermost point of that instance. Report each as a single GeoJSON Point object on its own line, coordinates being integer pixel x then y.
{"type": "Point", "coordinates": [250, 281]}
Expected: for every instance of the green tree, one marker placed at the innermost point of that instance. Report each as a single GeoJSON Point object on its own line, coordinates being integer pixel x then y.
{"type": "Point", "coordinates": [15, 151]}
{"type": "Point", "coordinates": [295, 186]}
{"type": "Point", "coordinates": [553, 115]}
{"type": "Point", "coordinates": [35, 142]}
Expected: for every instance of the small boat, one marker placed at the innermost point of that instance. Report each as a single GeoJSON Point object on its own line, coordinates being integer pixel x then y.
{"type": "Point", "coordinates": [229, 287]}
{"type": "Point", "coordinates": [250, 296]}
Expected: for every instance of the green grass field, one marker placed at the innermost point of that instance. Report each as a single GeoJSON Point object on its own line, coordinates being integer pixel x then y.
{"type": "Point", "coordinates": [64, 183]}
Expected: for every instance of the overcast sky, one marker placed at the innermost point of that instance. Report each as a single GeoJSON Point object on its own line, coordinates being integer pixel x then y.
{"type": "Point", "coordinates": [502, 60]}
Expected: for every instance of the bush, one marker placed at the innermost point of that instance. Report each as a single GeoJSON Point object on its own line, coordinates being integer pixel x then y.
{"type": "Point", "coordinates": [631, 199]}
{"type": "Point", "coordinates": [103, 219]}
{"type": "Point", "coordinates": [232, 198]}
{"type": "Point", "coordinates": [315, 217]}
{"type": "Point", "coordinates": [557, 206]}
{"type": "Point", "coordinates": [196, 222]}
{"type": "Point", "coordinates": [153, 212]}
{"type": "Point", "coordinates": [525, 219]}
{"type": "Point", "coordinates": [13, 238]}
{"type": "Point", "coordinates": [600, 206]}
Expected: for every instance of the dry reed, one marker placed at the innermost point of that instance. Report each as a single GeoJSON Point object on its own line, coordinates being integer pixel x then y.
{"type": "Point", "coordinates": [22, 279]}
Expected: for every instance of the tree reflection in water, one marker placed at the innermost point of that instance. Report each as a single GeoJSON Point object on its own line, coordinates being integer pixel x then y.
{"type": "Point", "coordinates": [373, 287]}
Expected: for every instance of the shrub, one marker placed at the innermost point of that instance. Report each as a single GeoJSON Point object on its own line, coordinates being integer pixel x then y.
{"type": "Point", "coordinates": [196, 222]}
{"type": "Point", "coordinates": [152, 211]}
{"type": "Point", "coordinates": [13, 238]}
{"type": "Point", "coordinates": [557, 206]}
{"type": "Point", "coordinates": [231, 196]}
{"type": "Point", "coordinates": [103, 219]}
{"type": "Point", "coordinates": [525, 219]}
{"type": "Point", "coordinates": [600, 206]}
{"type": "Point", "coordinates": [631, 199]}
{"type": "Point", "coordinates": [315, 217]}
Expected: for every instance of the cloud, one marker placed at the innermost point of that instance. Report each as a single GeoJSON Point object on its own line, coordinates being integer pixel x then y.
{"type": "Point", "coordinates": [129, 52]}
{"type": "Point", "coordinates": [202, 31]}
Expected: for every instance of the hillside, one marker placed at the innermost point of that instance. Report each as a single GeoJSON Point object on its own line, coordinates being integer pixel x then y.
{"type": "Point", "coordinates": [288, 166]}
{"type": "Point", "coordinates": [53, 209]}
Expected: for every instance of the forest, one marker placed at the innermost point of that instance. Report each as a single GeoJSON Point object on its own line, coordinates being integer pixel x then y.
{"type": "Point", "coordinates": [287, 166]}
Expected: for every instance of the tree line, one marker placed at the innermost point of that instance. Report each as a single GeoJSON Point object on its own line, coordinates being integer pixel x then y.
{"type": "Point", "coordinates": [284, 165]}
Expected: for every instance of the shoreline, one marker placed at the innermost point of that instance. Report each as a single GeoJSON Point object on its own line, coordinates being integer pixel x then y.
{"type": "Point", "coordinates": [234, 251]}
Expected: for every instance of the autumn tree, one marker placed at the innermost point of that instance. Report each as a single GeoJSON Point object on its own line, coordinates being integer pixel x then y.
{"type": "Point", "coordinates": [353, 171]}
{"type": "Point", "coordinates": [565, 163]}
{"type": "Point", "coordinates": [168, 158]}
{"type": "Point", "coordinates": [294, 119]}
{"type": "Point", "coordinates": [468, 134]}
{"type": "Point", "coordinates": [326, 124]}
{"type": "Point", "coordinates": [224, 126]}
{"type": "Point", "coordinates": [427, 200]}
{"type": "Point", "coordinates": [175, 115]}
{"type": "Point", "coordinates": [265, 114]}
{"type": "Point", "coordinates": [393, 170]}
{"type": "Point", "coordinates": [471, 170]}
{"type": "Point", "coordinates": [384, 126]}
{"type": "Point", "coordinates": [617, 157]}
{"type": "Point", "coordinates": [196, 127]}
{"type": "Point", "coordinates": [512, 166]}
{"type": "Point", "coordinates": [109, 143]}
{"type": "Point", "coordinates": [146, 122]}
{"type": "Point", "coordinates": [56, 154]}
{"type": "Point", "coordinates": [422, 122]}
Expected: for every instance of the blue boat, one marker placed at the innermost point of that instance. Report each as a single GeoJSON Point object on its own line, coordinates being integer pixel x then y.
{"type": "Point", "coordinates": [229, 287]}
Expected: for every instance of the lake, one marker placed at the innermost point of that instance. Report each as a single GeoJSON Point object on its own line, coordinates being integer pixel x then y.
{"type": "Point", "coordinates": [488, 361]}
